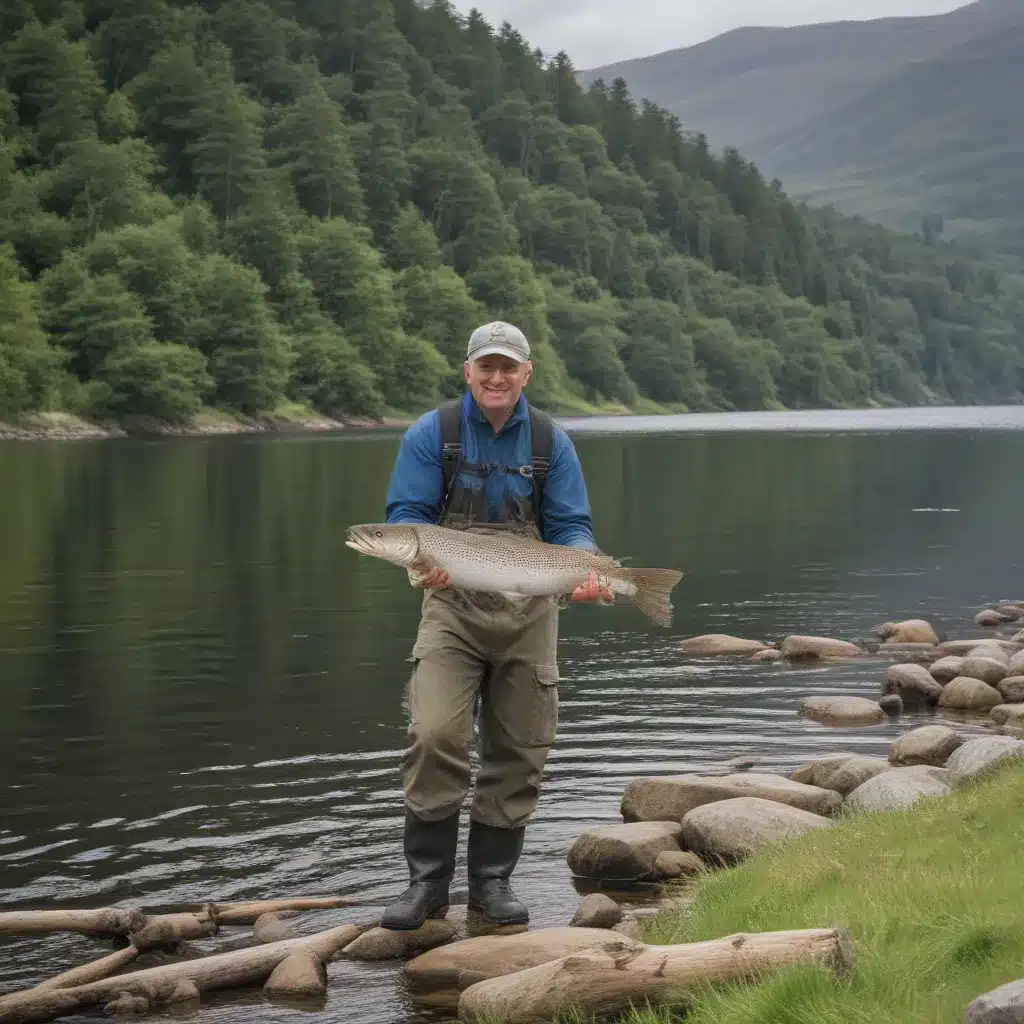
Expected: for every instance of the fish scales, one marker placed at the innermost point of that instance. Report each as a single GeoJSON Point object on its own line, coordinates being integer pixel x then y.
{"type": "Point", "coordinates": [504, 563]}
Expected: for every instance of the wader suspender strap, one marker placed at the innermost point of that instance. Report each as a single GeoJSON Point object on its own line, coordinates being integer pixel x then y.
{"type": "Point", "coordinates": [542, 433]}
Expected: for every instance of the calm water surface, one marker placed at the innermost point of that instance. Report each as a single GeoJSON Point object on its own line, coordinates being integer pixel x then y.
{"type": "Point", "coordinates": [200, 685]}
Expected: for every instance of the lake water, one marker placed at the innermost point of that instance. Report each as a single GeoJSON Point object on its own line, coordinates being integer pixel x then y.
{"type": "Point", "coordinates": [200, 685]}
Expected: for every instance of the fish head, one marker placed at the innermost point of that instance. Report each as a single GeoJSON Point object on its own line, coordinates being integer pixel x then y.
{"type": "Point", "coordinates": [398, 544]}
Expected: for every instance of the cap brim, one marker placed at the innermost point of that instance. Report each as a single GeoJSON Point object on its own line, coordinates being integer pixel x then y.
{"type": "Point", "coordinates": [498, 350]}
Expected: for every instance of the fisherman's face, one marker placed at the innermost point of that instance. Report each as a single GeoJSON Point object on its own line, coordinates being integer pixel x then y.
{"type": "Point", "coordinates": [496, 382]}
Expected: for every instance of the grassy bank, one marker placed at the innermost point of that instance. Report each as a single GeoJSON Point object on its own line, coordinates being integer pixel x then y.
{"type": "Point", "coordinates": [930, 896]}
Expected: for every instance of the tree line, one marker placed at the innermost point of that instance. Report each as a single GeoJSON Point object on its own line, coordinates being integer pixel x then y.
{"type": "Point", "coordinates": [246, 204]}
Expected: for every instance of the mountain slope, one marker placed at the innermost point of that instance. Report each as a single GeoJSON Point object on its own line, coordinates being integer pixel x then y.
{"type": "Point", "coordinates": [895, 119]}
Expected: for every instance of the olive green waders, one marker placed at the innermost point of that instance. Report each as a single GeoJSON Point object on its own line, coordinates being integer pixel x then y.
{"type": "Point", "coordinates": [505, 650]}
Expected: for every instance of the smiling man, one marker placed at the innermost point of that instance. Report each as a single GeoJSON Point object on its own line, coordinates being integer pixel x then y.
{"type": "Point", "coordinates": [488, 461]}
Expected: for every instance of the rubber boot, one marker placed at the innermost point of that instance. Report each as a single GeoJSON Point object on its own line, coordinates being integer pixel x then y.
{"type": "Point", "coordinates": [492, 855]}
{"type": "Point", "coordinates": [430, 853]}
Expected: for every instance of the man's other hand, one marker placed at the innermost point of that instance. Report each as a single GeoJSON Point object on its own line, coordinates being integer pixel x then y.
{"type": "Point", "coordinates": [592, 591]}
{"type": "Point", "coordinates": [432, 579]}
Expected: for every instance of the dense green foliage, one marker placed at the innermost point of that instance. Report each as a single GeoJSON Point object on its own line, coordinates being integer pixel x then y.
{"type": "Point", "coordinates": [250, 203]}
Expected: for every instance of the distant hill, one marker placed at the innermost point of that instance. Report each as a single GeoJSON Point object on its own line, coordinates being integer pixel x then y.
{"type": "Point", "coordinates": [892, 119]}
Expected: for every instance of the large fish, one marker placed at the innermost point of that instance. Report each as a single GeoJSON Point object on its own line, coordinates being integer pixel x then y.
{"type": "Point", "coordinates": [502, 563]}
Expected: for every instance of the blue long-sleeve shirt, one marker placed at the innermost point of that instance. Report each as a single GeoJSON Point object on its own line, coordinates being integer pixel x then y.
{"type": "Point", "coordinates": [416, 491]}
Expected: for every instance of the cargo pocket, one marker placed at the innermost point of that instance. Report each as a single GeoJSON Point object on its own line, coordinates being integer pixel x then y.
{"type": "Point", "coordinates": [534, 719]}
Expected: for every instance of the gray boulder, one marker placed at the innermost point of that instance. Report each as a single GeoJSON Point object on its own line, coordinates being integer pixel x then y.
{"type": "Point", "coordinates": [1016, 664]}
{"type": "Point", "coordinates": [841, 772]}
{"type": "Point", "coordinates": [800, 648]}
{"type": "Point", "coordinates": [914, 683]}
{"type": "Point", "coordinates": [979, 756]}
{"type": "Point", "coordinates": [898, 788]}
{"type": "Point", "coordinates": [1012, 689]}
{"type": "Point", "coordinates": [623, 852]}
{"type": "Point", "coordinates": [912, 631]}
{"type": "Point", "coordinates": [988, 670]}
{"type": "Point", "coordinates": [842, 710]}
{"type": "Point", "coordinates": [964, 694]}
{"type": "Point", "coordinates": [946, 668]}
{"type": "Point", "coordinates": [720, 644]}
{"type": "Point", "coordinates": [671, 864]}
{"type": "Point", "coordinates": [1003, 1005]}
{"type": "Point", "coordinates": [597, 911]}
{"type": "Point", "coordinates": [672, 798]}
{"type": "Point", "coordinates": [1008, 714]}
{"type": "Point", "coordinates": [930, 745]}
{"type": "Point", "coordinates": [731, 830]}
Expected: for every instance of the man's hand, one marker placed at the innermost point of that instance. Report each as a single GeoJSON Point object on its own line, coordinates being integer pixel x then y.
{"type": "Point", "coordinates": [592, 591]}
{"type": "Point", "coordinates": [432, 579]}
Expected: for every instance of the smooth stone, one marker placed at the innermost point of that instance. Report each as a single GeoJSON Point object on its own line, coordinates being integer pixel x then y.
{"type": "Point", "coordinates": [270, 928]}
{"type": "Point", "coordinates": [721, 644]}
{"type": "Point", "coordinates": [892, 704]}
{"type": "Point", "coordinates": [767, 656]}
{"type": "Point", "coordinates": [856, 772]}
{"type": "Point", "coordinates": [979, 756]}
{"type": "Point", "coordinates": [1008, 714]}
{"type": "Point", "coordinates": [1016, 664]}
{"type": "Point", "coordinates": [842, 710]}
{"type": "Point", "coordinates": [671, 798]}
{"type": "Point", "coordinates": [964, 647]}
{"type": "Point", "coordinates": [797, 648]}
{"type": "Point", "coordinates": [913, 683]}
{"type": "Point", "coordinates": [965, 694]}
{"type": "Point", "coordinates": [597, 911]}
{"type": "Point", "coordinates": [1010, 612]}
{"type": "Point", "coordinates": [1012, 689]}
{"type": "Point", "coordinates": [731, 830]}
{"type": "Point", "coordinates": [988, 670]}
{"type": "Point", "coordinates": [930, 745]}
{"type": "Point", "coordinates": [300, 974]}
{"type": "Point", "coordinates": [1003, 1005]}
{"type": "Point", "coordinates": [817, 772]}
{"type": "Point", "coordinates": [911, 631]}
{"type": "Point", "coordinates": [623, 852]}
{"type": "Point", "coordinates": [670, 864]}
{"type": "Point", "coordinates": [470, 923]}
{"type": "Point", "coordinates": [946, 669]}
{"type": "Point", "coordinates": [990, 617]}
{"type": "Point", "coordinates": [898, 788]}
{"type": "Point", "coordinates": [1018, 638]}
{"type": "Point", "coordinates": [386, 944]}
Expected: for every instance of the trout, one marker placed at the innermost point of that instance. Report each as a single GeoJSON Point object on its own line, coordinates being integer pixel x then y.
{"type": "Point", "coordinates": [516, 566]}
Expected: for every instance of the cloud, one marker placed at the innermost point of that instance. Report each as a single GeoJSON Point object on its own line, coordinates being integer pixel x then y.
{"type": "Point", "coordinates": [595, 32]}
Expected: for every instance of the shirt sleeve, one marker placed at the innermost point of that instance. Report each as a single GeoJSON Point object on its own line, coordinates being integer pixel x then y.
{"type": "Point", "coordinates": [416, 490]}
{"type": "Point", "coordinates": [565, 507]}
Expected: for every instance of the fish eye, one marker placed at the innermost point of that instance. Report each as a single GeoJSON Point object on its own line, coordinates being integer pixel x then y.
{"type": "Point", "coordinates": [379, 534]}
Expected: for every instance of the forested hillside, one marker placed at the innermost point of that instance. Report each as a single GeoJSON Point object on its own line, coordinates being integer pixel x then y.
{"type": "Point", "coordinates": [250, 204]}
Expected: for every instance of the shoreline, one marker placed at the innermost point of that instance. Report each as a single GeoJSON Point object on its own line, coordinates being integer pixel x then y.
{"type": "Point", "coordinates": [60, 426]}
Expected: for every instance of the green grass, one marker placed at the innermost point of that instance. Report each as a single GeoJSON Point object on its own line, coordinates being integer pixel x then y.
{"type": "Point", "coordinates": [930, 896]}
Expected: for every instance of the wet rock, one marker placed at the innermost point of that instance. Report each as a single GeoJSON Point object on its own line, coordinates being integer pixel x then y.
{"type": "Point", "coordinates": [469, 923]}
{"type": "Point", "coordinates": [1010, 612]}
{"type": "Point", "coordinates": [1016, 664]}
{"type": "Point", "coordinates": [1012, 689]}
{"type": "Point", "coordinates": [914, 683]}
{"type": "Point", "coordinates": [597, 911]}
{"type": "Point", "coordinates": [980, 756]}
{"type": "Point", "coordinates": [670, 864]}
{"type": "Point", "coordinates": [185, 991]}
{"type": "Point", "coordinates": [1018, 638]}
{"type": "Point", "coordinates": [720, 644]}
{"type": "Point", "coordinates": [127, 1005]}
{"type": "Point", "coordinates": [731, 830]}
{"type": "Point", "coordinates": [898, 788]}
{"type": "Point", "coordinates": [989, 617]}
{"type": "Point", "coordinates": [815, 773]}
{"type": "Point", "coordinates": [1012, 729]}
{"type": "Point", "coordinates": [769, 655]}
{"type": "Point", "coordinates": [916, 654]}
{"type": "Point", "coordinates": [892, 705]}
{"type": "Point", "coordinates": [386, 944]}
{"type": "Point", "coordinates": [912, 631]}
{"type": "Point", "coordinates": [300, 974]}
{"type": "Point", "coordinates": [461, 964]}
{"type": "Point", "coordinates": [1008, 714]}
{"type": "Point", "coordinates": [856, 772]}
{"type": "Point", "coordinates": [964, 647]}
{"type": "Point", "coordinates": [991, 649]}
{"type": "Point", "coordinates": [671, 798]}
{"type": "Point", "coordinates": [929, 745]}
{"type": "Point", "coordinates": [270, 928]}
{"type": "Point", "coordinates": [1003, 1005]}
{"type": "Point", "coordinates": [800, 648]}
{"type": "Point", "coordinates": [630, 928]}
{"type": "Point", "coordinates": [988, 670]}
{"type": "Point", "coordinates": [964, 694]}
{"type": "Point", "coordinates": [945, 669]}
{"type": "Point", "coordinates": [623, 852]}
{"type": "Point", "coordinates": [842, 710]}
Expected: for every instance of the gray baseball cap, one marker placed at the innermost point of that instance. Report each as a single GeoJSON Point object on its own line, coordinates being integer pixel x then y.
{"type": "Point", "coordinates": [498, 338]}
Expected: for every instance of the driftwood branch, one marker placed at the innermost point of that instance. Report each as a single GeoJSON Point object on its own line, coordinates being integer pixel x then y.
{"type": "Point", "coordinates": [248, 913]}
{"type": "Point", "coordinates": [106, 921]}
{"type": "Point", "coordinates": [172, 982]}
{"type": "Point", "coordinates": [603, 981]}
{"type": "Point", "coordinates": [95, 971]}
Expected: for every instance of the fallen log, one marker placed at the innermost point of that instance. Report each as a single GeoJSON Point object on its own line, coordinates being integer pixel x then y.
{"type": "Point", "coordinates": [95, 971]}
{"type": "Point", "coordinates": [165, 983]}
{"type": "Point", "coordinates": [106, 921]}
{"type": "Point", "coordinates": [248, 913]}
{"type": "Point", "coordinates": [603, 981]}
{"type": "Point", "coordinates": [171, 928]}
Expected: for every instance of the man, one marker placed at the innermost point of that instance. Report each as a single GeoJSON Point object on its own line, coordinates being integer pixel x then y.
{"type": "Point", "coordinates": [509, 468]}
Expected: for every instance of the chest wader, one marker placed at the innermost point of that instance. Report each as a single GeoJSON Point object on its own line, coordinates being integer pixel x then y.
{"type": "Point", "coordinates": [502, 651]}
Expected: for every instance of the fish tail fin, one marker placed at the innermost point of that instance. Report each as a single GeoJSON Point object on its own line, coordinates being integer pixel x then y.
{"type": "Point", "coordinates": [653, 592]}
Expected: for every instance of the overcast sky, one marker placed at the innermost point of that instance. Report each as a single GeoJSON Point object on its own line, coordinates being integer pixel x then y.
{"type": "Point", "coordinates": [596, 32]}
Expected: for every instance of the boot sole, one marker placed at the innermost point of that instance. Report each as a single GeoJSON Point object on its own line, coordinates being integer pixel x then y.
{"type": "Point", "coordinates": [434, 915]}
{"type": "Point", "coordinates": [500, 922]}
